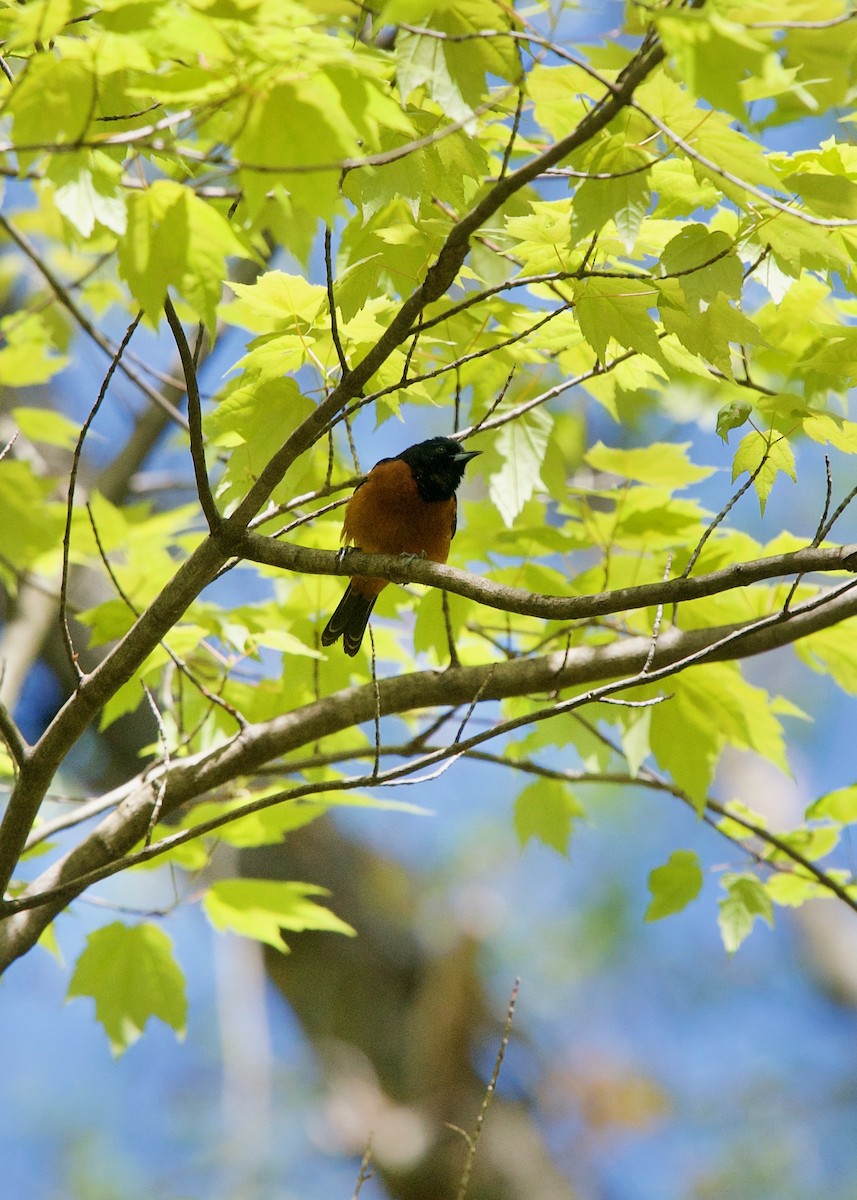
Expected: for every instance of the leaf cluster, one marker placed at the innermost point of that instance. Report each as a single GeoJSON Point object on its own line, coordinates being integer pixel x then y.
{"type": "Point", "coordinates": [431, 217]}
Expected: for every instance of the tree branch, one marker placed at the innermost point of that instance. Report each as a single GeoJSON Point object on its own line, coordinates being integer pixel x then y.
{"type": "Point", "coordinates": [194, 417]}
{"type": "Point", "coordinates": [290, 557]}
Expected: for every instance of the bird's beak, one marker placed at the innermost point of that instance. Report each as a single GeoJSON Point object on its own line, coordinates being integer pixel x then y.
{"type": "Point", "coordinates": [464, 456]}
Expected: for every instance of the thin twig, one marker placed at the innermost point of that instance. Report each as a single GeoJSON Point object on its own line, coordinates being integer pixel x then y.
{"type": "Point", "coordinates": [819, 532]}
{"type": "Point", "coordinates": [656, 627]}
{"type": "Point", "coordinates": [376, 716]}
{"type": "Point", "coordinates": [516, 124]}
{"type": "Point", "coordinates": [837, 514]}
{"type": "Point", "coordinates": [12, 440]}
{"type": "Point", "coordinates": [83, 810]}
{"type": "Point", "coordinates": [75, 466]}
{"type": "Point", "coordinates": [782, 206]}
{"type": "Point", "coordinates": [581, 272]}
{"type": "Point", "coordinates": [162, 782]}
{"type": "Point", "coordinates": [366, 1172]}
{"type": "Point", "coordinates": [472, 356]}
{"type": "Point", "coordinates": [331, 303]}
{"type": "Point", "coordinates": [721, 516]}
{"type": "Point", "coordinates": [311, 516]}
{"type": "Point", "coordinates": [650, 778]}
{"type": "Point", "coordinates": [278, 510]}
{"type": "Point", "coordinates": [454, 660]}
{"type": "Point", "coordinates": [194, 417]}
{"type": "Point", "coordinates": [485, 421]}
{"type": "Point", "coordinates": [471, 708]}
{"type": "Point", "coordinates": [472, 1139]}
{"type": "Point", "coordinates": [409, 354]}
{"type": "Point", "coordinates": [842, 19]}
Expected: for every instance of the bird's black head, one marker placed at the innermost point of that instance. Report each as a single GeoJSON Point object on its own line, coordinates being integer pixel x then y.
{"type": "Point", "coordinates": [437, 466]}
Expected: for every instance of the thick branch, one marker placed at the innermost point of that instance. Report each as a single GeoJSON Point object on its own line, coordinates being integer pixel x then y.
{"type": "Point", "coordinates": [290, 557]}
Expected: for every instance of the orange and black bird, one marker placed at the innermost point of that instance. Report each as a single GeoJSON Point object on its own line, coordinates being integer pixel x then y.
{"type": "Point", "coordinates": [405, 505]}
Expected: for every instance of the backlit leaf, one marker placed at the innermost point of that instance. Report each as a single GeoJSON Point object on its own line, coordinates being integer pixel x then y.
{"type": "Point", "coordinates": [263, 908]}
{"type": "Point", "coordinates": [174, 239]}
{"type": "Point", "coordinates": [130, 973]}
{"type": "Point", "coordinates": [618, 310]}
{"type": "Point", "coordinates": [521, 444]}
{"type": "Point", "coordinates": [746, 902]}
{"type": "Point", "coordinates": [546, 810]}
{"type": "Point", "coordinates": [663, 463]}
{"type": "Point", "coordinates": [674, 885]}
{"type": "Point", "coordinates": [839, 805]}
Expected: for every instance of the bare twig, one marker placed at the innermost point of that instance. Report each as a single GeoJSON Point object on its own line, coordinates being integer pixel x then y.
{"type": "Point", "coordinates": [721, 516]}
{"type": "Point", "coordinates": [331, 303]}
{"type": "Point", "coordinates": [366, 1172]}
{"type": "Point", "coordinates": [659, 612]}
{"type": "Point", "coordinates": [376, 713]}
{"type": "Point", "coordinates": [75, 467]}
{"type": "Point", "coordinates": [472, 1139]}
{"type": "Point", "coordinates": [194, 416]}
{"type": "Point", "coordinates": [7, 448]}
{"type": "Point", "coordinates": [819, 532]}
{"type": "Point", "coordinates": [450, 637]}
{"type": "Point", "coordinates": [721, 172]}
{"type": "Point", "coordinates": [840, 509]}
{"type": "Point", "coordinates": [516, 123]}
{"type": "Point", "coordinates": [459, 362]}
{"type": "Point", "coordinates": [831, 23]}
{"type": "Point", "coordinates": [822, 521]}
{"type": "Point", "coordinates": [162, 784]}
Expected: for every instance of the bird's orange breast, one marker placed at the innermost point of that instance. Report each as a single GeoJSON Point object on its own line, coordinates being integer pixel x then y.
{"type": "Point", "coordinates": [387, 515]}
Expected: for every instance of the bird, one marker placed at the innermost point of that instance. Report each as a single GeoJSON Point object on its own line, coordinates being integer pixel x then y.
{"type": "Point", "coordinates": [405, 505]}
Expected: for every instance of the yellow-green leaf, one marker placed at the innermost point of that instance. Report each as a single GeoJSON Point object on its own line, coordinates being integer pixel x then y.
{"type": "Point", "coordinates": [663, 464]}
{"type": "Point", "coordinates": [618, 309]}
{"type": "Point", "coordinates": [746, 902]}
{"type": "Point", "coordinates": [766, 454]}
{"type": "Point", "coordinates": [263, 908]}
{"type": "Point", "coordinates": [545, 810]}
{"type": "Point", "coordinates": [839, 805]}
{"type": "Point", "coordinates": [674, 885]}
{"type": "Point", "coordinates": [174, 239]}
{"type": "Point", "coordinates": [130, 972]}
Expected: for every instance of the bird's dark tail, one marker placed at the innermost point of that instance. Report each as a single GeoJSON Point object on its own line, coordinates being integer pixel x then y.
{"type": "Point", "coordinates": [349, 621]}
